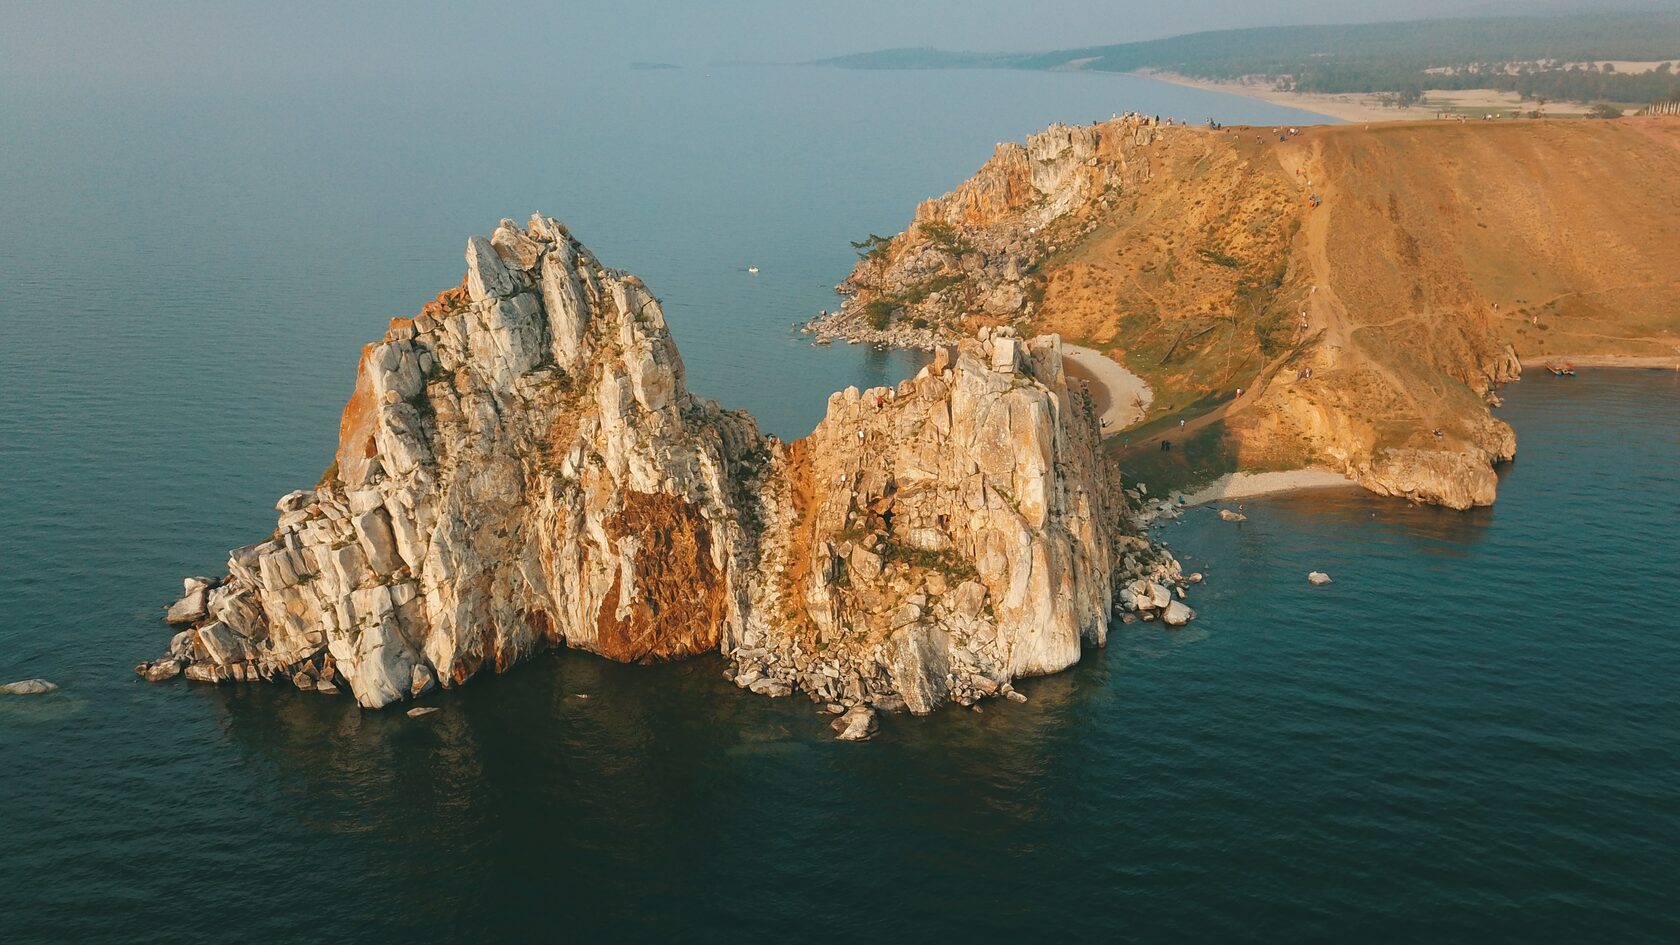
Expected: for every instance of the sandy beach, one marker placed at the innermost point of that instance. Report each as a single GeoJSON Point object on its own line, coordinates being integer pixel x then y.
{"type": "Point", "coordinates": [1356, 107]}
{"type": "Point", "coordinates": [1664, 362]}
{"type": "Point", "coordinates": [1122, 398]}
{"type": "Point", "coordinates": [1246, 485]}
{"type": "Point", "coordinates": [1344, 107]}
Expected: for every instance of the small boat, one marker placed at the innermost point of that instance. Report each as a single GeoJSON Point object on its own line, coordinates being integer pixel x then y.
{"type": "Point", "coordinates": [1561, 370]}
{"type": "Point", "coordinates": [753, 270]}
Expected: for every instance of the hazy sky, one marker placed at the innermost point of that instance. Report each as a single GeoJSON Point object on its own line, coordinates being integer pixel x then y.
{"type": "Point", "coordinates": [79, 43]}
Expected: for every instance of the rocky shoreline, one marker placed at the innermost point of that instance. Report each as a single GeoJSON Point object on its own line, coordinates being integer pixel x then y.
{"type": "Point", "coordinates": [521, 466]}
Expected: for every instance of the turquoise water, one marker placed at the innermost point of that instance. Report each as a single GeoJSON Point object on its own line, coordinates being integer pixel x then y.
{"type": "Point", "coordinates": [1469, 736]}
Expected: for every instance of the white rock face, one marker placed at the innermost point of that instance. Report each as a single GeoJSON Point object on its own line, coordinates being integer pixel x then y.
{"type": "Point", "coordinates": [521, 465]}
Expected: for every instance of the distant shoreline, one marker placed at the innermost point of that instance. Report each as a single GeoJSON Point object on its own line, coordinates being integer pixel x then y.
{"type": "Point", "coordinates": [1365, 106]}
{"type": "Point", "coordinates": [1342, 107]}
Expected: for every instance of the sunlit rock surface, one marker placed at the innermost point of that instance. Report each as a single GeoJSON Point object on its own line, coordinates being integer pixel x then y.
{"type": "Point", "coordinates": [521, 465]}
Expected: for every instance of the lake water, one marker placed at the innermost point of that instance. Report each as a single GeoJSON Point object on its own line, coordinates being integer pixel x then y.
{"type": "Point", "coordinates": [1470, 736]}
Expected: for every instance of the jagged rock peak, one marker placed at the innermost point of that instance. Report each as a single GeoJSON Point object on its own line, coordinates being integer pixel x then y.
{"type": "Point", "coordinates": [521, 465]}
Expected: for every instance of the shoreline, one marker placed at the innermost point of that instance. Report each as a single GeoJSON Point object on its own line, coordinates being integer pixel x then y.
{"type": "Point", "coordinates": [1232, 487]}
{"type": "Point", "coordinates": [1248, 485]}
{"type": "Point", "coordinates": [1638, 362]}
{"type": "Point", "coordinates": [1366, 107]}
{"type": "Point", "coordinates": [1356, 109]}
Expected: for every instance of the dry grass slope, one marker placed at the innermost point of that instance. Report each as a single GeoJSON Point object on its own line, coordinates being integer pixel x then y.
{"type": "Point", "coordinates": [1440, 250]}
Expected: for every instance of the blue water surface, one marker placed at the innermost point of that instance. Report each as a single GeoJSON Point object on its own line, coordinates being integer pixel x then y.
{"type": "Point", "coordinates": [1470, 736]}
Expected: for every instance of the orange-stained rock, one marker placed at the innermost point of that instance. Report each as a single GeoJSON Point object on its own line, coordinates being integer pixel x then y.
{"type": "Point", "coordinates": [501, 489]}
{"type": "Point", "coordinates": [677, 607]}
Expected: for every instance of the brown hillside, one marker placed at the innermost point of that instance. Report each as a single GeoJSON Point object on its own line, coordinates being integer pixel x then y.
{"type": "Point", "coordinates": [1442, 253]}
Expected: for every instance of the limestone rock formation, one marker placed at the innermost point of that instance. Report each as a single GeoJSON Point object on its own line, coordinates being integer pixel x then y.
{"type": "Point", "coordinates": [521, 465]}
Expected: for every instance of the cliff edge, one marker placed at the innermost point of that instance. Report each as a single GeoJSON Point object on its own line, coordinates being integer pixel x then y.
{"type": "Point", "coordinates": [521, 465]}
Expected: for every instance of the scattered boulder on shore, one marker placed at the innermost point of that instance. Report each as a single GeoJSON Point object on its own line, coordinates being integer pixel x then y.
{"type": "Point", "coordinates": [28, 687]}
{"type": "Point", "coordinates": [856, 724]}
{"type": "Point", "coordinates": [1317, 578]}
{"type": "Point", "coordinates": [1151, 600]}
{"type": "Point", "coordinates": [160, 669]}
{"type": "Point", "coordinates": [1177, 614]}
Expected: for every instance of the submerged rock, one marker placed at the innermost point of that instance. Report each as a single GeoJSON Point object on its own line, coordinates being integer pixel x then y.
{"type": "Point", "coordinates": [855, 724]}
{"type": "Point", "coordinates": [28, 687]}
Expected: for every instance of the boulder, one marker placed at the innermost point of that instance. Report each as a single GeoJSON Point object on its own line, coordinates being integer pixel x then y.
{"type": "Point", "coordinates": [968, 599]}
{"type": "Point", "coordinates": [769, 686]}
{"type": "Point", "coordinates": [865, 564]}
{"type": "Point", "coordinates": [189, 609]}
{"type": "Point", "coordinates": [221, 645]}
{"type": "Point", "coordinates": [159, 670]}
{"type": "Point", "coordinates": [424, 681]}
{"type": "Point", "coordinates": [207, 672]}
{"type": "Point", "coordinates": [1146, 594]}
{"type": "Point", "coordinates": [1317, 578]}
{"type": "Point", "coordinates": [856, 724]}
{"type": "Point", "coordinates": [421, 711]}
{"type": "Point", "coordinates": [1177, 614]}
{"type": "Point", "coordinates": [1231, 516]}
{"type": "Point", "coordinates": [28, 687]}
{"type": "Point", "coordinates": [1006, 353]}
{"type": "Point", "coordinates": [918, 660]}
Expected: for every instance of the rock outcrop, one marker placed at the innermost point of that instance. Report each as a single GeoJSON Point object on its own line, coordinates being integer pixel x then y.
{"type": "Point", "coordinates": [522, 466]}
{"type": "Point", "coordinates": [965, 259]}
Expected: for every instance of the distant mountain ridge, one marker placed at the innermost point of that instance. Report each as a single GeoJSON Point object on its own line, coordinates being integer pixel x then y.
{"type": "Point", "coordinates": [1532, 55]}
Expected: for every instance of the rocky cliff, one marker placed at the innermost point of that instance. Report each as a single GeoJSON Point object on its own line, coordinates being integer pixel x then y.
{"type": "Point", "coordinates": [1348, 297]}
{"type": "Point", "coordinates": [521, 466]}
{"type": "Point", "coordinates": [968, 257]}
